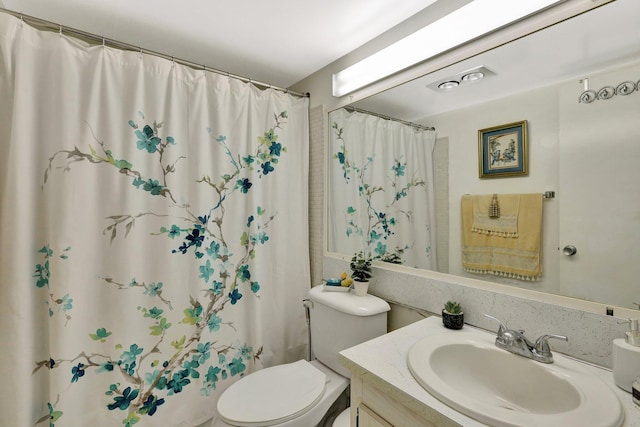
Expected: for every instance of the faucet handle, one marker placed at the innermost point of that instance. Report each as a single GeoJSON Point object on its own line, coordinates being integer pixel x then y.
{"type": "Point", "coordinates": [501, 329]}
{"type": "Point", "coordinates": [542, 345]}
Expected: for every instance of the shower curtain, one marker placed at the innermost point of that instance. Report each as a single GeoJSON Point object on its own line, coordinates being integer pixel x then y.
{"type": "Point", "coordinates": [381, 194]}
{"type": "Point", "coordinates": [147, 215]}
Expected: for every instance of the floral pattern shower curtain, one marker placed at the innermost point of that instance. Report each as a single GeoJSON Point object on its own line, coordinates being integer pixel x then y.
{"type": "Point", "coordinates": [381, 194]}
{"type": "Point", "coordinates": [146, 220]}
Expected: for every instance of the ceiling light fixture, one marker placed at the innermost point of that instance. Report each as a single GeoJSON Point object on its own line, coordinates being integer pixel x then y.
{"type": "Point", "coordinates": [472, 77]}
{"type": "Point", "coordinates": [463, 78]}
{"type": "Point", "coordinates": [469, 22]}
{"type": "Point", "coordinates": [448, 85]}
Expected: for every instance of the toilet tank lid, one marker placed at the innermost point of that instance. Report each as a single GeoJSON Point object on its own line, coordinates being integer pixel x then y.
{"type": "Point", "coordinates": [348, 302]}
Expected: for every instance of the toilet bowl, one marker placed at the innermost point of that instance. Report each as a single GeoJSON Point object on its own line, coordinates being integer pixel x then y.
{"type": "Point", "coordinates": [297, 394]}
{"type": "Point", "coordinates": [302, 393]}
{"type": "Point", "coordinates": [343, 419]}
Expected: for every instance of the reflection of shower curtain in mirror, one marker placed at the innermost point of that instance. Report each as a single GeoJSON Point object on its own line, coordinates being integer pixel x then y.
{"type": "Point", "coordinates": [381, 195]}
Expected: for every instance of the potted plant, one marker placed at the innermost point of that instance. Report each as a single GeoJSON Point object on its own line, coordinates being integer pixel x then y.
{"type": "Point", "coordinates": [361, 272]}
{"type": "Point", "coordinates": [394, 257]}
{"type": "Point", "coordinates": [452, 315]}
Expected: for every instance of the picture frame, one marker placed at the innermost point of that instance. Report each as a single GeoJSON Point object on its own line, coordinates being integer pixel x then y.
{"type": "Point", "coordinates": [503, 151]}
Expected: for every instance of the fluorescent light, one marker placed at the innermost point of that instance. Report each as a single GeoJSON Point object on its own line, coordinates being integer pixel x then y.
{"type": "Point", "coordinates": [471, 21]}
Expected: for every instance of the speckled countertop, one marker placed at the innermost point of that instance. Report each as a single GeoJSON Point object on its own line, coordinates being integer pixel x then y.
{"type": "Point", "coordinates": [384, 361]}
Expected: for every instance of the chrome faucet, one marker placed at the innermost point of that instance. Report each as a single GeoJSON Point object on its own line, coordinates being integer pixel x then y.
{"type": "Point", "coordinates": [515, 342]}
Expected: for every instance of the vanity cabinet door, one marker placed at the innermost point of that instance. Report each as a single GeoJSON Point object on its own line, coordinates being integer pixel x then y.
{"type": "Point", "coordinates": [368, 418]}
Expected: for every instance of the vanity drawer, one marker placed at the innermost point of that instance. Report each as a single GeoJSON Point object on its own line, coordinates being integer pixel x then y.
{"type": "Point", "coordinates": [378, 409]}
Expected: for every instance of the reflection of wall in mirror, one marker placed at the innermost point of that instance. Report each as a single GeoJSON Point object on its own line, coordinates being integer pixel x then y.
{"type": "Point", "coordinates": [547, 128]}
{"type": "Point", "coordinates": [441, 183]}
{"type": "Point", "coordinates": [600, 208]}
{"type": "Point", "coordinates": [540, 109]}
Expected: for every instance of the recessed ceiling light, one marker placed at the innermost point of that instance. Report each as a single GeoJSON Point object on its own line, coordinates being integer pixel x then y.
{"type": "Point", "coordinates": [448, 85]}
{"type": "Point", "coordinates": [462, 78]}
{"type": "Point", "coordinates": [472, 77]}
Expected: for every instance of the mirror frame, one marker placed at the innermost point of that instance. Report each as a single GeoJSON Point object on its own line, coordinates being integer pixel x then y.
{"type": "Point", "coordinates": [549, 17]}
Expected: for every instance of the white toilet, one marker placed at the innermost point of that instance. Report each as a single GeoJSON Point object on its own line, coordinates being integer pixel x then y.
{"type": "Point", "coordinates": [299, 394]}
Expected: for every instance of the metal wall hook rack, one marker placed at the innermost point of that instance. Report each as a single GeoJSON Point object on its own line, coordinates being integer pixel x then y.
{"type": "Point", "coordinates": [607, 92]}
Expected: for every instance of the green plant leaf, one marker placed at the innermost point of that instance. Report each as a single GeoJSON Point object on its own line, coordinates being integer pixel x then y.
{"type": "Point", "coordinates": [178, 344]}
{"type": "Point", "coordinates": [160, 327]}
{"type": "Point", "coordinates": [244, 240]}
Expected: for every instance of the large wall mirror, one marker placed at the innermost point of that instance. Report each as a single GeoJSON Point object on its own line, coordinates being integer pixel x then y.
{"type": "Point", "coordinates": [401, 161]}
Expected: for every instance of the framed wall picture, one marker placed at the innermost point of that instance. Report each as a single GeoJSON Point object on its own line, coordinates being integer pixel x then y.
{"type": "Point", "coordinates": [502, 150]}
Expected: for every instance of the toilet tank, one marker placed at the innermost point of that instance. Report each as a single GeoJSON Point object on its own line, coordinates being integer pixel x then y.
{"type": "Point", "coordinates": [340, 320]}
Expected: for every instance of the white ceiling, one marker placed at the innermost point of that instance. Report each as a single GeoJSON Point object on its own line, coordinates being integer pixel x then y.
{"type": "Point", "coordinates": [278, 42]}
{"type": "Point", "coordinates": [283, 41]}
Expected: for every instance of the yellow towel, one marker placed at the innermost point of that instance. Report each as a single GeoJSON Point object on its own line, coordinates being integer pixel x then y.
{"type": "Point", "coordinates": [519, 257]}
{"type": "Point", "coordinates": [504, 226]}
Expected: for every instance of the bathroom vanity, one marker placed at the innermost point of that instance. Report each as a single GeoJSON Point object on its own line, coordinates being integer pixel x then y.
{"type": "Point", "coordinates": [385, 392]}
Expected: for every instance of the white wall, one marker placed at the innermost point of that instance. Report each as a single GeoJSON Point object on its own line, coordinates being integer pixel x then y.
{"type": "Point", "coordinates": [317, 152]}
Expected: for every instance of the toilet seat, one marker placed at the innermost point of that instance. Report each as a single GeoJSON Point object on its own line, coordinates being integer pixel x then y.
{"type": "Point", "coordinates": [272, 395]}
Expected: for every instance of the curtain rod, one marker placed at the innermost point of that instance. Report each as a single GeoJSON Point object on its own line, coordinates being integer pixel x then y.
{"type": "Point", "coordinates": [42, 24]}
{"type": "Point", "coordinates": [382, 116]}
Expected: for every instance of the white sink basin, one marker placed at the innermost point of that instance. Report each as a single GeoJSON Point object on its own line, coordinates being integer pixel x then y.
{"type": "Point", "coordinates": [466, 371]}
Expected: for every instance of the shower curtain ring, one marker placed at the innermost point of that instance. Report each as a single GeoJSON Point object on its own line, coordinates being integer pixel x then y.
{"type": "Point", "coordinates": [60, 29]}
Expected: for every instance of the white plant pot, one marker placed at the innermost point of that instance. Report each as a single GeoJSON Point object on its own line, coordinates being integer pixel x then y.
{"type": "Point", "coordinates": [360, 288]}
